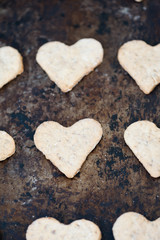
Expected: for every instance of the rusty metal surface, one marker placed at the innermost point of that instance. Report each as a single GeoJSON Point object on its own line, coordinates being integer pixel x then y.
{"type": "Point", "coordinates": [111, 181]}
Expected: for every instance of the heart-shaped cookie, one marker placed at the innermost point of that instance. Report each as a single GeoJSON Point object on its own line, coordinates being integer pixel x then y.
{"type": "Point", "coordinates": [133, 226]}
{"type": "Point", "coordinates": [67, 148]}
{"type": "Point", "coordinates": [142, 62]}
{"type": "Point", "coordinates": [51, 229]}
{"type": "Point", "coordinates": [143, 138]}
{"type": "Point", "coordinates": [7, 145]}
{"type": "Point", "coordinates": [11, 64]}
{"type": "Point", "coordinates": [67, 65]}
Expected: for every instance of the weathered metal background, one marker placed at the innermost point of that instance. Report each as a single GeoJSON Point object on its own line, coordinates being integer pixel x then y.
{"type": "Point", "coordinates": [111, 181]}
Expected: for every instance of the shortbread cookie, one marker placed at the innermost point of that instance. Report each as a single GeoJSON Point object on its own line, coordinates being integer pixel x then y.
{"type": "Point", "coordinates": [143, 138]}
{"type": "Point", "coordinates": [11, 64]}
{"type": "Point", "coordinates": [142, 62]}
{"type": "Point", "coordinates": [7, 145]}
{"type": "Point", "coordinates": [67, 65]}
{"type": "Point", "coordinates": [67, 148]}
{"type": "Point", "coordinates": [133, 226]}
{"type": "Point", "coordinates": [50, 228]}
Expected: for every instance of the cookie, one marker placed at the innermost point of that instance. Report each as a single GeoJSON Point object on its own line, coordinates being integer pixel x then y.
{"type": "Point", "coordinates": [67, 148]}
{"type": "Point", "coordinates": [7, 145]}
{"type": "Point", "coordinates": [142, 62]}
{"type": "Point", "coordinates": [67, 65]}
{"type": "Point", "coordinates": [133, 226]}
{"type": "Point", "coordinates": [143, 138]}
{"type": "Point", "coordinates": [11, 64]}
{"type": "Point", "coordinates": [50, 228]}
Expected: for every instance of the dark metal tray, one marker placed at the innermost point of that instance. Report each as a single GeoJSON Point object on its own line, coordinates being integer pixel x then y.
{"type": "Point", "coordinates": [111, 181]}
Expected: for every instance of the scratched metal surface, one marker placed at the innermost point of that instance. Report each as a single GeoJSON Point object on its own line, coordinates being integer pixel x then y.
{"type": "Point", "coordinates": [111, 181]}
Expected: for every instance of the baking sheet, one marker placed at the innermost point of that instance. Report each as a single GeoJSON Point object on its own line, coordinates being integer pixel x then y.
{"type": "Point", "coordinates": [111, 181]}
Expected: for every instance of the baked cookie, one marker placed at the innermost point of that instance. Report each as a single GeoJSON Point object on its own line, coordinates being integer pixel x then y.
{"type": "Point", "coordinates": [133, 226]}
{"type": "Point", "coordinates": [142, 62]}
{"type": "Point", "coordinates": [7, 145]}
{"type": "Point", "coordinates": [67, 65]}
{"type": "Point", "coordinates": [50, 228]}
{"type": "Point", "coordinates": [68, 147]}
{"type": "Point", "coordinates": [143, 138]}
{"type": "Point", "coordinates": [11, 64]}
